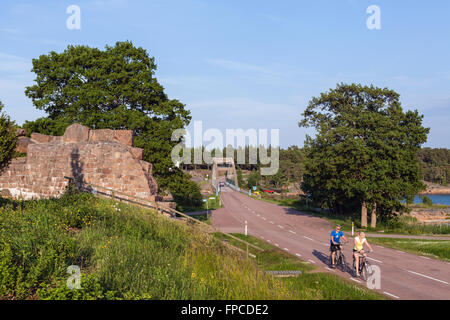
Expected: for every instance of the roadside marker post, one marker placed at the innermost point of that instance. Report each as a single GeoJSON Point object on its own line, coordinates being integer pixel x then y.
{"type": "Point", "coordinates": [246, 229]}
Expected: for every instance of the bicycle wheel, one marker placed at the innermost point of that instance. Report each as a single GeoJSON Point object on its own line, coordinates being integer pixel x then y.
{"type": "Point", "coordinates": [342, 262]}
{"type": "Point", "coordinates": [363, 271]}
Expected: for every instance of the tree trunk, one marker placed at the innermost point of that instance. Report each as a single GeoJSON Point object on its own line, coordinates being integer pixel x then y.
{"type": "Point", "coordinates": [373, 218]}
{"type": "Point", "coordinates": [364, 214]}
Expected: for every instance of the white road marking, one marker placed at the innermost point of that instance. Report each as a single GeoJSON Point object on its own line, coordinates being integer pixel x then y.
{"type": "Point", "coordinates": [425, 276]}
{"type": "Point", "coordinates": [399, 251]}
{"type": "Point", "coordinates": [271, 222]}
{"type": "Point", "coordinates": [330, 269]}
{"type": "Point", "coordinates": [312, 261]}
{"type": "Point", "coordinates": [425, 258]}
{"type": "Point", "coordinates": [257, 214]}
{"type": "Point", "coordinates": [264, 218]}
{"type": "Point", "coordinates": [390, 294]}
{"type": "Point", "coordinates": [298, 254]}
{"type": "Point", "coordinates": [281, 227]}
{"type": "Point", "coordinates": [292, 232]}
{"type": "Point", "coordinates": [355, 280]}
{"type": "Point", "coordinates": [308, 238]}
{"type": "Point", "coordinates": [286, 249]}
{"type": "Point", "coordinates": [374, 260]}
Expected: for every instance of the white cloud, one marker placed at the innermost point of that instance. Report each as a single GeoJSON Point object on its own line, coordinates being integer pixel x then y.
{"type": "Point", "coordinates": [240, 66]}
{"type": "Point", "coordinates": [14, 64]}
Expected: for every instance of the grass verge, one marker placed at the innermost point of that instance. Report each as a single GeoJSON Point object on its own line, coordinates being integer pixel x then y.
{"type": "Point", "coordinates": [124, 252]}
{"type": "Point", "coordinates": [398, 225]}
{"type": "Point", "coordinates": [438, 249]}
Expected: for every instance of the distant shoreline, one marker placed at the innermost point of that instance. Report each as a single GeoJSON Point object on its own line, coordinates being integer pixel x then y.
{"type": "Point", "coordinates": [435, 189]}
{"type": "Point", "coordinates": [443, 191]}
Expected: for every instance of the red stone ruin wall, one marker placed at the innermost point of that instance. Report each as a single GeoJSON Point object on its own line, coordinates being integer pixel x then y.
{"type": "Point", "coordinates": [104, 157]}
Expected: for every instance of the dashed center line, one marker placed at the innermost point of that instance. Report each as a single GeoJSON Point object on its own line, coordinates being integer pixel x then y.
{"type": "Point", "coordinates": [428, 277]}
{"type": "Point", "coordinates": [281, 227]}
{"type": "Point", "coordinates": [308, 238]}
{"type": "Point", "coordinates": [293, 232]}
{"type": "Point", "coordinates": [390, 294]}
{"type": "Point", "coordinates": [271, 222]}
{"type": "Point", "coordinates": [374, 260]}
{"type": "Point", "coordinates": [264, 218]}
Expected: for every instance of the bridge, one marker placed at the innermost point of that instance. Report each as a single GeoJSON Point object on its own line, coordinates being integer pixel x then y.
{"type": "Point", "coordinates": [223, 167]}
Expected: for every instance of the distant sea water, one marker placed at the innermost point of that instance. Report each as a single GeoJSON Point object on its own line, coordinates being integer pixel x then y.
{"type": "Point", "coordinates": [436, 198]}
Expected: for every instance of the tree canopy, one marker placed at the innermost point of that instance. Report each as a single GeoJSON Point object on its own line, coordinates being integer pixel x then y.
{"type": "Point", "coordinates": [8, 139]}
{"type": "Point", "coordinates": [364, 151]}
{"type": "Point", "coordinates": [115, 88]}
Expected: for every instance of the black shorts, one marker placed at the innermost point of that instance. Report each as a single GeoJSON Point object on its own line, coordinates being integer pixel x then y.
{"type": "Point", "coordinates": [334, 247]}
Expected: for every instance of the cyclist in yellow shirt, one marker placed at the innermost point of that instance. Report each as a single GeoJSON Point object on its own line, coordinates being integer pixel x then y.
{"type": "Point", "coordinates": [359, 248]}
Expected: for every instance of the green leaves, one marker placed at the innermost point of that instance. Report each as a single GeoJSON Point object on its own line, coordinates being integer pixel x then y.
{"type": "Point", "coordinates": [8, 139]}
{"type": "Point", "coordinates": [113, 88]}
{"type": "Point", "coordinates": [364, 149]}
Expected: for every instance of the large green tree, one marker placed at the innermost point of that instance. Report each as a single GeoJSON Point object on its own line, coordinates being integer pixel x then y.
{"type": "Point", "coordinates": [8, 139]}
{"type": "Point", "coordinates": [114, 88]}
{"type": "Point", "coordinates": [364, 151]}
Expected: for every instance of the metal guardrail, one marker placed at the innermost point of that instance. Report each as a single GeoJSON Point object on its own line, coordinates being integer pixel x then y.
{"type": "Point", "coordinates": [158, 207]}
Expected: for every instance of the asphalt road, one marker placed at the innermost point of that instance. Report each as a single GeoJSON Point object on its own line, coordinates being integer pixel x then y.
{"type": "Point", "coordinates": [403, 275]}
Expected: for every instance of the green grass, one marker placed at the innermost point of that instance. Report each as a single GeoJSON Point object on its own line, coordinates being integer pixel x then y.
{"type": "Point", "coordinates": [439, 249]}
{"type": "Point", "coordinates": [125, 252]}
{"type": "Point", "coordinates": [128, 252]}
{"type": "Point", "coordinates": [210, 204]}
{"type": "Point", "coordinates": [399, 225]}
{"type": "Point", "coordinates": [427, 206]}
{"type": "Point", "coordinates": [310, 284]}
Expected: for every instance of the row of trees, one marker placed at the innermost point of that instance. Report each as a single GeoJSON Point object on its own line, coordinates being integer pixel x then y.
{"type": "Point", "coordinates": [290, 163]}
{"type": "Point", "coordinates": [435, 165]}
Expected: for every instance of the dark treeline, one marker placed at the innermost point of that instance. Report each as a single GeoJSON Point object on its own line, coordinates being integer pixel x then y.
{"type": "Point", "coordinates": [434, 164]}
{"type": "Point", "coordinates": [290, 164]}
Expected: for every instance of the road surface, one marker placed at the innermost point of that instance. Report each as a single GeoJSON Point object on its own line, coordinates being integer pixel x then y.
{"type": "Point", "coordinates": [403, 275]}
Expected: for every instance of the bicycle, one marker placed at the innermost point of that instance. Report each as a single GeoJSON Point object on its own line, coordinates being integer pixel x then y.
{"type": "Point", "coordinates": [365, 269]}
{"type": "Point", "coordinates": [339, 259]}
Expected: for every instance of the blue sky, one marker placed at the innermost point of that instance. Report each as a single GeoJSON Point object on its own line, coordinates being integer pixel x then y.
{"type": "Point", "coordinates": [248, 64]}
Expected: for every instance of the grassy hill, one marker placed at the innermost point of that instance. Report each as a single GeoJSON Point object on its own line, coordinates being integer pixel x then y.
{"type": "Point", "coordinates": [127, 252]}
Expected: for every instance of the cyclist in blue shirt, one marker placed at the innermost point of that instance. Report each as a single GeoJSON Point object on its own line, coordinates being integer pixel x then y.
{"type": "Point", "coordinates": [335, 243]}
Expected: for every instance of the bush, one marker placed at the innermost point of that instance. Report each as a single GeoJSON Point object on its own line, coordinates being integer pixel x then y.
{"type": "Point", "coordinates": [8, 139]}
{"type": "Point", "coordinates": [426, 200]}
